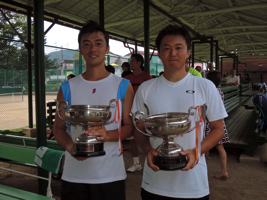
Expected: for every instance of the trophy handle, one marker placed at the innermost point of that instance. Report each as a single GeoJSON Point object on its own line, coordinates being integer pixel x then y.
{"type": "Point", "coordinates": [189, 110]}
{"type": "Point", "coordinates": [65, 106]}
{"type": "Point", "coordinates": [141, 118]}
{"type": "Point", "coordinates": [111, 101]}
{"type": "Point", "coordinates": [192, 113]}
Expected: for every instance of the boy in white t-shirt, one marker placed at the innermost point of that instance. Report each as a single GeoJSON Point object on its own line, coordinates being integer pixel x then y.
{"type": "Point", "coordinates": [176, 91]}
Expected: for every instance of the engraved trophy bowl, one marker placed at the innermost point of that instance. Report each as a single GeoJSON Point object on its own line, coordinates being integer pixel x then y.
{"type": "Point", "coordinates": [87, 116]}
{"type": "Point", "coordinates": [168, 126]}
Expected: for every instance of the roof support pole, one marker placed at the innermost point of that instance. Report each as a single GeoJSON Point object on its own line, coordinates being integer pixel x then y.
{"type": "Point", "coordinates": [236, 65]}
{"type": "Point", "coordinates": [146, 35]}
{"type": "Point", "coordinates": [211, 49]}
{"type": "Point", "coordinates": [216, 54]}
{"type": "Point", "coordinates": [29, 48]}
{"type": "Point", "coordinates": [101, 13]}
{"type": "Point", "coordinates": [38, 13]}
{"type": "Point", "coordinates": [193, 54]}
{"type": "Point", "coordinates": [135, 47]}
{"type": "Point", "coordinates": [221, 66]}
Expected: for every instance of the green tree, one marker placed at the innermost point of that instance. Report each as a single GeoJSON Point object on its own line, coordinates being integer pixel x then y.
{"type": "Point", "coordinates": [13, 54]}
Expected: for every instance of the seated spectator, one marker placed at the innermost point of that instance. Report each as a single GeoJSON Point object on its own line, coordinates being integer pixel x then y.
{"type": "Point", "coordinates": [126, 69]}
{"type": "Point", "coordinates": [232, 79]}
{"type": "Point", "coordinates": [110, 69]}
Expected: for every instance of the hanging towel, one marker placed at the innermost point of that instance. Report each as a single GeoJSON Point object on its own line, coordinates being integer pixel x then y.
{"type": "Point", "coordinates": [48, 159]}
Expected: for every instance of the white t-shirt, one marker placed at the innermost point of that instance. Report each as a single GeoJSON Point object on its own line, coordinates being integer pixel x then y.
{"type": "Point", "coordinates": [231, 79]}
{"type": "Point", "coordinates": [98, 169]}
{"type": "Point", "coordinates": [161, 96]}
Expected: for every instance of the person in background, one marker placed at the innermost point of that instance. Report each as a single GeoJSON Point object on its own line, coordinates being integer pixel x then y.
{"type": "Point", "coordinates": [126, 69]}
{"type": "Point", "coordinates": [136, 78]}
{"type": "Point", "coordinates": [70, 76]}
{"type": "Point", "coordinates": [232, 79]}
{"type": "Point", "coordinates": [198, 68]}
{"type": "Point", "coordinates": [215, 77]}
{"type": "Point", "coordinates": [96, 177]}
{"type": "Point", "coordinates": [191, 70]}
{"type": "Point", "coordinates": [162, 72]}
{"type": "Point", "coordinates": [110, 69]}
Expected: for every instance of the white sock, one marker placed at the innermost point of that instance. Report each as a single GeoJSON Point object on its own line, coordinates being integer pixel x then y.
{"type": "Point", "coordinates": [136, 160]}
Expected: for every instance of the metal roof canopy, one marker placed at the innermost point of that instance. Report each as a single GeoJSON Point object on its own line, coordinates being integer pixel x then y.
{"type": "Point", "coordinates": [239, 26]}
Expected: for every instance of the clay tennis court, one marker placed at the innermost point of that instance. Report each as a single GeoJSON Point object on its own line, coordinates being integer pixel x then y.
{"type": "Point", "coordinates": [14, 110]}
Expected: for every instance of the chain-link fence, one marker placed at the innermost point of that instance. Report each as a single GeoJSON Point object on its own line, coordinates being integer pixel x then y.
{"type": "Point", "coordinates": [58, 63]}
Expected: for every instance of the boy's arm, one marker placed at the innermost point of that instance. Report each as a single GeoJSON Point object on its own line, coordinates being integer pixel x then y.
{"type": "Point", "coordinates": [211, 140]}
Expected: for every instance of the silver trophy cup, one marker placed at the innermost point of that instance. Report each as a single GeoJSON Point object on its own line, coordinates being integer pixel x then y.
{"type": "Point", "coordinates": [168, 126]}
{"type": "Point", "coordinates": [87, 116]}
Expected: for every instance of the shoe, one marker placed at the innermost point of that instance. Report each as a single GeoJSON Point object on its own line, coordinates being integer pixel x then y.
{"type": "Point", "coordinates": [134, 167]}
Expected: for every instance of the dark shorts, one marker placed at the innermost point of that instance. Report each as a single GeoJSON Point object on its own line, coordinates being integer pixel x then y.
{"type": "Point", "coordinates": [82, 191]}
{"type": "Point", "coordinates": [148, 196]}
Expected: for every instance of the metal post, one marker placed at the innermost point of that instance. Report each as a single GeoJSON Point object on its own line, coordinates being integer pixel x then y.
{"type": "Point", "coordinates": [211, 49]}
{"type": "Point", "coordinates": [80, 64]}
{"type": "Point", "coordinates": [29, 41]}
{"type": "Point", "coordinates": [38, 13]}
{"type": "Point", "coordinates": [101, 13]}
{"type": "Point", "coordinates": [216, 55]}
{"type": "Point", "coordinates": [146, 35]}
{"type": "Point", "coordinates": [135, 47]}
{"type": "Point", "coordinates": [236, 65]}
{"type": "Point", "coordinates": [108, 59]}
{"type": "Point", "coordinates": [193, 52]}
{"type": "Point", "coordinates": [221, 66]}
{"type": "Point", "coordinates": [49, 74]}
{"type": "Point", "coordinates": [13, 78]}
{"type": "Point", "coordinates": [245, 71]}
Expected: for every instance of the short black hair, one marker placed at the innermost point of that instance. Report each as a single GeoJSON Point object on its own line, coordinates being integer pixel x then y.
{"type": "Point", "coordinates": [139, 58]}
{"type": "Point", "coordinates": [111, 69]}
{"type": "Point", "coordinates": [91, 27]}
{"type": "Point", "coordinates": [215, 77]}
{"type": "Point", "coordinates": [174, 30]}
{"type": "Point", "coordinates": [70, 76]}
{"type": "Point", "coordinates": [126, 64]}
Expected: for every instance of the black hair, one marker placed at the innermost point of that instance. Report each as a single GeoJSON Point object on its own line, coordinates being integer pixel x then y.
{"type": "Point", "coordinates": [139, 58]}
{"type": "Point", "coordinates": [215, 77]}
{"type": "Point", "coordinates": [174, 30]}
{"type": "Point", "coordinates": [70, 76]}
{"type": "Point", "coordinates": [126, 64]}
{"type": "Point", "coordinates": [111, 69]}
{"type": "Point", "coordinates": [91, 27]}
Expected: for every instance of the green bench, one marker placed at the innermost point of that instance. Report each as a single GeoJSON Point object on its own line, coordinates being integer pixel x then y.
{"type": "Point", "coordinates": [241, 115]}
{"type": "Point", "coordinates": [232, 98]}
{"type": "Point", "coordinates": [247, 90]}
{"type": "Point", "coordinates": [21, 156]}
{"type": "Point", "coordinates": [9, 193]}
{"type": "Point", "coordinates": [21, 151]}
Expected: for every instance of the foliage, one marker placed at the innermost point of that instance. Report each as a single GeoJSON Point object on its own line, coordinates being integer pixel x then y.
{"type": "Point", "coordinates": [13, 54]}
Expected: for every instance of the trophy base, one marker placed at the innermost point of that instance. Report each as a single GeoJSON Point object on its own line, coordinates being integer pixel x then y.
{"type": "Point", "coordinates": [171, 163]}
{"type": "Point", "coordinates": [88, 154]}
{"type": "Point", "coordinates": [88, 149]}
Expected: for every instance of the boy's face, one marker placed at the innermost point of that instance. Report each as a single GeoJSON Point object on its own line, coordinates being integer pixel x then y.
{"type": "Point", "coordinates": [173, 52]}
{"type": "Point", "coordinates": [93, 49]}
